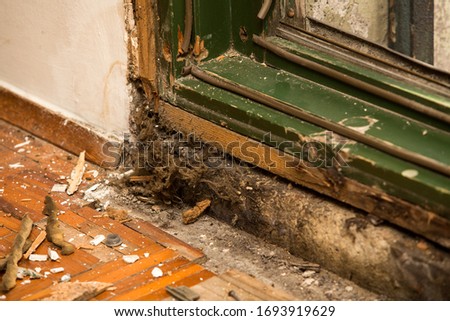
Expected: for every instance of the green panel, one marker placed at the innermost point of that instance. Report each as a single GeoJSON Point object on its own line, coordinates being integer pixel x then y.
{"type": "Point", "coordinates": [334, 106]}
{"type": "Point", "coordinates": [212, 22]}
{"type": "Point", "coordinates": [435, 100]}
{"type": "Point", "coordinates": [366, 165]}
{"type": "Point", "coordinates": [244, 14]}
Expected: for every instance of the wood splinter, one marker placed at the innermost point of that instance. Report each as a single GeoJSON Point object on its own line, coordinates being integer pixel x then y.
{"type": "Point", "coordinates": [10, 276]}
{"type": "Point", "coordinates": [53, 229]}
{"type": "Point", "coordinates": [191, 215]}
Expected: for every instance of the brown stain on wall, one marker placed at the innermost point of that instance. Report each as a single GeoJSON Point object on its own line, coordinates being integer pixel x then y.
{"type": "Point", "coordinates": [106, 108]}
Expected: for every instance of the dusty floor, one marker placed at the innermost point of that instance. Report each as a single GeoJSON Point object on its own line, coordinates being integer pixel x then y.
{"type": "Point", "coordinates": [229, 248]}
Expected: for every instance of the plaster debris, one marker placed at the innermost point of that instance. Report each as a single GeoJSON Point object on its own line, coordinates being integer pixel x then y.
{"type": "Point", "coordinates": [157, 272]}
{"type": "Point", "coordinates": [38, 269]}
{"type": "Point", "coordinates": [3, 297]}
{"type": "Point", "coordinates": [92, 188]}
{"type": "Point", "coordinates": [25, 143]}
{"type": "Point", "coordinates": [59, 188]}
{"type": "Point", "coordinates": [66, 278]}
{"type": "Point", "coordinates": [57, 270]}
{"type": "Point", "coordinates": [308, 274]}
{"type": "Point", "coordinates": [130, 258]}
{"type": "Point", "coordinates": [93, 173]}
{"type": "Point", "coordinates": [146, 255]}
{"type": "Point", "coordinates": [349, 288]}
{"type": "Point", "coordinates": [38, 257]}
{"type": "Point", "coordinates": [33, 274]}
{"type": "Point", "coordinates": [77, 174]}
{"type": "Point", "coordinates": [25, 282]}
{"type": "Point", "coordinates": [53, 255]}
{"type": "Point", "coordinates": [97, 240]}
{"type": "Point", "coordinates": [308, 281]}
{"type": "Point", "coordinates": [15, 166]}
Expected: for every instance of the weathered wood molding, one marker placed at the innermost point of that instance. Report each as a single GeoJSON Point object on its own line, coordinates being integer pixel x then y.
{"type": "Point", "coordinates": [367, 198]}
{"type": "Point", "coordinates": [58, 130]}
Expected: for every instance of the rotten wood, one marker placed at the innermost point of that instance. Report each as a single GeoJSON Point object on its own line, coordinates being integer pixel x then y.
{"type": "Point", "coordinates": [192, 214]}
{"type": "Point", "coordinates": [10, 276]}
{"type": "Point", "coordinates": [53, 229]}
{"type": "Point", "coordinates": [144, 16]}
{"type": "Point", "coordinates": [372, 200]}
{"type": "Point", "coordinates": [76, 175]}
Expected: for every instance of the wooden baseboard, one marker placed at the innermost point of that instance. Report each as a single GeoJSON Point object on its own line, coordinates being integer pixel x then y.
{"type": "Point", "coordinates": [58, 130]}
{"type": "Point", "coordinates": [367, 198]}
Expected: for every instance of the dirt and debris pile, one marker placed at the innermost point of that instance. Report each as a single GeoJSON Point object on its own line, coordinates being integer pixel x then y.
{"type": "Point", "coordinates": [175, 168]}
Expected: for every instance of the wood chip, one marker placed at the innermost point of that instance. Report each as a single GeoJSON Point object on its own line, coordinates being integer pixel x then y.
{"type": "Point", "coordinates": [191, 215]}
{"type": "Point", "coordinates": [38, 241]}
{"type": "Point", "coordinates": [76, 175]}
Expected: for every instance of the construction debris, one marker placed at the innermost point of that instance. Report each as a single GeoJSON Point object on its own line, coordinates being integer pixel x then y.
{"type": "Point", "coordinates": [130, 258]}
{"type": "Point", "coordinates": [76, 291]}
{"type": "Point", "coordinates": [191, 215]}
{"type": "Point", "coordinates": [53, 255]}
{"type": "Point", "coordinates": [38, 257]}
{"type": "Point", "coordinates": [97, 240]}
{"type": "Point", "coordinates": [157, 272]}
{"type": "Point", "coordinates": [59, 188]}
{"type": "Point", "coordinates": [66, 278]}
{"type": "Point", "coordinates": [57, 270]}
{"type": "Point", "coordinates": [182, 293]}
{"type": "Point", "coordinates": [76, 175]}
{"type": "Point", "coordinates": [38, 241]}
{"type": "Point", "coordinates": [117, 214]}
{"type": "Point", "coordinates": [54, 232]}
{"type": "Point", "coordinates": [23, 272]}
{"type": "Point", "coordinates": [10, 276]}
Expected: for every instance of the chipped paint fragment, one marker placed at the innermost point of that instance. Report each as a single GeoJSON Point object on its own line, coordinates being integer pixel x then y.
{"type": "Point", "coordinates": [410, 173]}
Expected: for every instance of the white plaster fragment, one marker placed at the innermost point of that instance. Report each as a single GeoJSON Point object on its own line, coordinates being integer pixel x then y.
{"type": "Point", "coordinates": [157, 272]}
{"type": "Point", "coordinates": [15, 166]}
{"type": "Point", "coordinates": [38, 257]}
{"type": "Point", "coordinates": [146, 255]}
{"type": "Point", "coordinates": [97, 240]}
{"type": "Point", "coordinates": [22, 144]}
{"type": "Point", "coordinates": [53, 255]}
{"type": "Point", "coordinates": [57, 270]}
{"type": "Point", "coordinates": [130, 258]}
{"type": "Point", "coordinates": [59, 188]}
{"type": "Point", "coordinates": [65, 278]}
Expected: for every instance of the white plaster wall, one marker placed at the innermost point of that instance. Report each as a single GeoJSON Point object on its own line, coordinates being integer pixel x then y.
{"type": "Point", "coordinates": [442, 34]}
{"type": "Point", "coordinates": [70, 56]}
